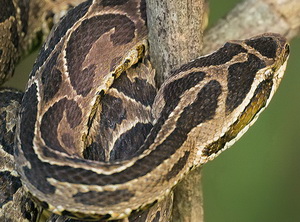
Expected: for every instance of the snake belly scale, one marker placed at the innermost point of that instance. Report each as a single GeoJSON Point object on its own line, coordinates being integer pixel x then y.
{"type": "Point", "coordinates": [95, 139]}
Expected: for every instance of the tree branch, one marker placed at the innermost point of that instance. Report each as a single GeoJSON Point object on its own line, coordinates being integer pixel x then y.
{"type": "Point", "coordinates": [175, 33]}
{"type": "Point", "coordinates": [175, 37]}
{"type": "Point", "coordinates": [188, 198]}
{"type": "Point", "coordinates": [253, 17]}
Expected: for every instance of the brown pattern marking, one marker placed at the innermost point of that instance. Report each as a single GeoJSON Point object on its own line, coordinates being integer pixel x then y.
{"type": "Point", "coordinates": [139, 90]}
{"type": "Point", "coordinates": [68, 140]}
{"type": "Point", "coordinates": [114, 62]}
{"type": "Point", "coordinates": [28, 119]}
{"type": "Point", "coordinates": [103, 199]}
{"type": "Point", "coordinates": [143, 10]}
{"type": "Point", "coordinates": [128, 144]}
{"type": "Point", "coordinates": [172, 93]}
{"type": "Point", "coordinates": [52, 118]}
{"type": "Point", "coordinates": [113, 112]}
{"type": "Point", "coordinates": [76, 54]}
{"type": "Point", "coordinates": [240, 78]}
{"type": "Point", "coordinates": [201, 109]}
{"type": "Point", "coordinates": [113, 2]}
{"type": "Point", "coordinates": [178, 166]}
{"type": "Point", "coordinates": [219, 57]}
{"type": "Point", "coordinates": [114, 109]}
{"type": "Point", "coordinates": [27, 128]}
{"type": "Point", "coordinates": [67, 215]}
{"type": "Point", "coordinates": [59, 32]}
{"type": "Point", "coordinates": [266, 46]}
{"type": "Point", "coordinates": [51, 78]}
{"type": "Point", "coordinates": [258, 102]}
{"type": "Point", "coordinates": [94, 152]}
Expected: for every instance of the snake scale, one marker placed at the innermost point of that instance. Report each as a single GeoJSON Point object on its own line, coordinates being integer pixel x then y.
{"type": "Point", "coordinates": [95, 138]}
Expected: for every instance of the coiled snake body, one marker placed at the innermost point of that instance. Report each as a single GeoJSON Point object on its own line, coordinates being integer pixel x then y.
{"type": "Point", "coordinates": [95, 139]}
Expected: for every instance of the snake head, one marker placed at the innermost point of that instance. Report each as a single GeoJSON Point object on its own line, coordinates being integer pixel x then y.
{"type": "Point", "coordinates": [251, 85]}
{"type": "Point", "coordinates": [275, 51]}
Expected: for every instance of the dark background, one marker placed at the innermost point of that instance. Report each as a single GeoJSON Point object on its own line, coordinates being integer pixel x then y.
{"type": "Point", "coordinates": [258, 178]}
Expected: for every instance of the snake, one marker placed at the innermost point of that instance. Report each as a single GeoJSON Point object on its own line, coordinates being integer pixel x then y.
{"type": "Point", "coordinates": [94, 137]}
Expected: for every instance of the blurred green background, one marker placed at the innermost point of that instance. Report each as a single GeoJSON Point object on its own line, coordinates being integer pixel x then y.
{"type": "Point", "coordinates": [258, 178]}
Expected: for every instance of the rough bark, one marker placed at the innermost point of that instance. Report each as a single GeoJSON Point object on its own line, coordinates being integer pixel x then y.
{"type": "Point", "coordinates": [175, 33]}
{"type": "Point", "coordinates": [175, 37]}
{"type": "Point", "coordinates": [188, 200]}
